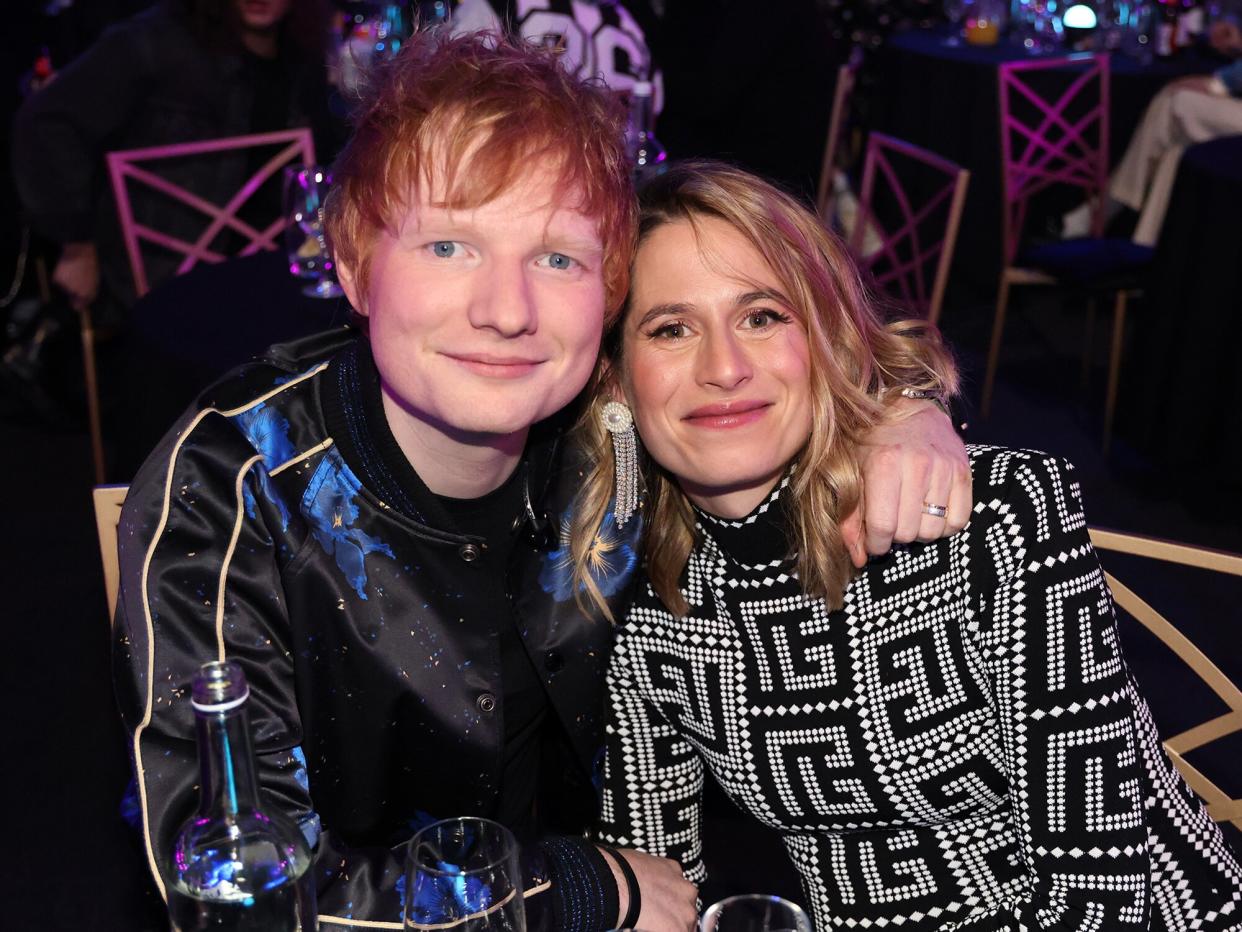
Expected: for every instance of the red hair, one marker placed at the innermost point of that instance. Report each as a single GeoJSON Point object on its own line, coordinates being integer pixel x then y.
{"type": "Point", "coordinates": [476, 113]}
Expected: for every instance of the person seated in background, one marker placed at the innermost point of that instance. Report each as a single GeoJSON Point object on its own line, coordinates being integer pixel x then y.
{"type": "Point", "coordinates": [182, 71]}
{"type": "Point", "coordinates": [947, 738]}
{"type": "Point", "coordinates": [366, 520]}
{"type": "Point", "coordinates": [1188, 110]}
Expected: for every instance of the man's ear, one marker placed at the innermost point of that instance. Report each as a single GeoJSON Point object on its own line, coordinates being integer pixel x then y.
{"type": "Point", "coordinates": [345, 275]}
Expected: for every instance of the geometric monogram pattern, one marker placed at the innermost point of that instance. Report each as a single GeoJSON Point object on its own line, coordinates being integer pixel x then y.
{"type": "Point", "coordinates": [959, 746]}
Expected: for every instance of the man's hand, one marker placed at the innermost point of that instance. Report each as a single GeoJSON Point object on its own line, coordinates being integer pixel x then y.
{"type": "Point", "coordinates": [669, 900]}
{"type": "Point", "coordinates": [77, 274]}
{"type": "Point", "coordinates": [912, 459]}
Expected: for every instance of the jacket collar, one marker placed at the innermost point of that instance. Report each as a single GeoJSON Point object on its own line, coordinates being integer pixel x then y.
{"type": "Point", "coordinates": [354, 415]}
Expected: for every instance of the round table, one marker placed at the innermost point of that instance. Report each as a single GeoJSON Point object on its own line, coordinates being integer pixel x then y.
{"type": "Point", "coordinates": [1181, 398]}
{"type": "Point", "coordinates": [944, 97]}
{"type": "Point", "coordinates": [192, 329]}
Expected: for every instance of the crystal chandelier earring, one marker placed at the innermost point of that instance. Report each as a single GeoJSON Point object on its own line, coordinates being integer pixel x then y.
{"type": "Point", "coordinates": [619, 422]}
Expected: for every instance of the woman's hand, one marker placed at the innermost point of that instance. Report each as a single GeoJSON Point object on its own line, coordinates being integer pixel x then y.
{"type": "Point", "coordinates": [913, 459]}
{"type": "Point", "coordinates": [670, 902]}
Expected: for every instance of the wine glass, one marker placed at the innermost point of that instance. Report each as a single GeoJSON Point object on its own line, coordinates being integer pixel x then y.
{"type": "Point", "coordinates": [306, 243]}
{"type": "Point", "coordinates": [755, 913]}
{"type": "Point", "coordinates": [464, 873]}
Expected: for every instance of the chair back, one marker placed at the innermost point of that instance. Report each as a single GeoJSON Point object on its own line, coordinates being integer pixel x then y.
{"type": "Point", "coordinates": [130, 166]}
{"type": "Point", "coordinates": [108, 501]}
{"type": "Point", "coordinates": [1221, 806]}
{"type": "Point", "coordinates": [842, 93]}
{"type": "Point", "coordinates": [1052, 135]}
{"type": "Point", "coordinates": [912, 200]}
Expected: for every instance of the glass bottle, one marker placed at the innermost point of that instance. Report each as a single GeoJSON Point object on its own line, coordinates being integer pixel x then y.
{"type": "Point", "coordinates": [646, 155]}
{"type": "Point", "coordinates": [1166, 29]}
{"type": "Point", "coordinates": [236, 865]}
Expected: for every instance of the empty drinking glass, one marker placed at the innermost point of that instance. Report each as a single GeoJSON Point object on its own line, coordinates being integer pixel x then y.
{"type": "Point", "coordinates": [464, 873]}
{"type": "Point", "coordinates": [306, 243]}
{"type": "Point", "coordinates": [755, 913]}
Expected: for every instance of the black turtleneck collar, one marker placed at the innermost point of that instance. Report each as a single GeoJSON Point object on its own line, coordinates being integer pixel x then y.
{"type": "Point", "coordinates": [760, 537]}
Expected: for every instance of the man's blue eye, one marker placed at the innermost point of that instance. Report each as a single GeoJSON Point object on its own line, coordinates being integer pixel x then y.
{"type": "Point", "coordinates": [444, 249]}
{"type": "Point", "coordinates": [560, 261]}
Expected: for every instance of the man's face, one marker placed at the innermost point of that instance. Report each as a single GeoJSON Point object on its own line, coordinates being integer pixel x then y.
{"type": "Point", "coordinates": [485, 320]}
{"type": "Point", "coordinates": [262, 15]}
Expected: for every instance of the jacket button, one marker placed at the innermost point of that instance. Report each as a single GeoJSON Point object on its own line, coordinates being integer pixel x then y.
{"type": "Point", "coordinates": [468, 552]}
{"type": "Point", "coordinates": [486, 703]}
{"type": "Point", "coordinates": [553, 662]}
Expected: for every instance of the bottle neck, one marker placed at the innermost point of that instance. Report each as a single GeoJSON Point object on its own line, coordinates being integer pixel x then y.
{"type": "Point", "coordinates": [226, 762]}
{"type": "Point", "coordinates": [640, 113]}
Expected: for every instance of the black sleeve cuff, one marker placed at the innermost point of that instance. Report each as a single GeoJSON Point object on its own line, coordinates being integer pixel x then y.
{"type": "Point", "coordinates": [584, 894]}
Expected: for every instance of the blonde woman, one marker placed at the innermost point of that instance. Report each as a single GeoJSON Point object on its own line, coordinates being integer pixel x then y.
{"type": "Point", "coordinates": [947, 738]}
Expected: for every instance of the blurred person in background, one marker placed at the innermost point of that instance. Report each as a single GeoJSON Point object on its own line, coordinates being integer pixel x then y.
{"type": "Point", "coordinates": [1188, 110]}
{"type": "Point", "coordinates": [181, 71]}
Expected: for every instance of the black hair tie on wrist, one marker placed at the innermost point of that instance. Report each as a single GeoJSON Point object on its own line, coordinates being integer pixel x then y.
{"type": "Point", "coordinates": [631, 882]}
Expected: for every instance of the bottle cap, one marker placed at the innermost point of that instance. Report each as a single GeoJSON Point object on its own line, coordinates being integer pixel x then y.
{"type": "Point", "coordinates": [641, 89]}
{"type": "Point", "coordinates": [219, 686]}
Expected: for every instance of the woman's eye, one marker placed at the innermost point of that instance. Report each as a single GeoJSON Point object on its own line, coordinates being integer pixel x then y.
{"type": "Point", "coordinates": [670, 331]}
{"type": "Point", "coordinates": [764, 318]}
{"type": "Point", "coordinates": [445, 249]}
{"type": "Point", "coordinates": [558, 260]}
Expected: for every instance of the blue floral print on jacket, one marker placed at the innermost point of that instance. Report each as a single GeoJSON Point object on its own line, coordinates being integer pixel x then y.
{"type": "Point", "coordinates": [612, 559]}
{"type": "Point", "coordinates": [329, 505]}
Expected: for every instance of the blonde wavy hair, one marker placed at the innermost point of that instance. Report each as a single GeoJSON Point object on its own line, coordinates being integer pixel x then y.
{"type": "Point", "coordinates": [858, 365]}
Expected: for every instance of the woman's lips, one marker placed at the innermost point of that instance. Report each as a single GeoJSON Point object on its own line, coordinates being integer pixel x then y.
{"type": "Point", "coordinates": [728, 414]}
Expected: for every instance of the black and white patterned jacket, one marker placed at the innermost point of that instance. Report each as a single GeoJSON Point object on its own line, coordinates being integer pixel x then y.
{"type": "Point", "coordinates": [960, 746]}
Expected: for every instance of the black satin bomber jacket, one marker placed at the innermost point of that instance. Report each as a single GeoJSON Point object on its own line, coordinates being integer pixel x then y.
{"type": "Point", "coordinates": [375, 693]}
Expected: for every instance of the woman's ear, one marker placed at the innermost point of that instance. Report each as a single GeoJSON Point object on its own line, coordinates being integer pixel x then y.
{"type": "Point", "coordinates": [610, 382]}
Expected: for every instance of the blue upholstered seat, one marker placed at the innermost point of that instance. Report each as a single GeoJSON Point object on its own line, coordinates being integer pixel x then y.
{"type": "Point", "coordinates": [1104, 262]}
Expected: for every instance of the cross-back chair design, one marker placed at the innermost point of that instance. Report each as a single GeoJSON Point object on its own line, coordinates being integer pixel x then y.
{"type": "Point", "coordinates": [130, 167]}
{"type": "Point", "coordinates": [1221, 806]}
{"type": "Point", "coordinates": [842, 93]}
{"type": "Point", "coordinates": [911, 263]}
{"type": "Point", "coordinates": [108, 500]}
{"type": "Point", "coordinates": [127, 167]}
{"type": "Point", "coordinates": [1057, 137]}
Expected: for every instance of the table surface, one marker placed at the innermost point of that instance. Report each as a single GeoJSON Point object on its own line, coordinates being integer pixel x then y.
{"type": "Point", "coordinates": [936, 43]}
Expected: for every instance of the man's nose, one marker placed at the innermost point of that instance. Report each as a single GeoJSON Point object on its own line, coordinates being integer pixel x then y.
{"type": "Point", "coordinates": [504, 300]}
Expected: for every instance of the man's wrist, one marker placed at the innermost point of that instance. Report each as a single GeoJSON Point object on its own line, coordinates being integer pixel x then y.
{"type": "Point", "coordinates": [623, 892]}
{"type": "Point", "coordinates": [924, 394]}
{"type": "Point", "coordinates": [77, 250]}
{"type": "Point", "coordinates": [628, 893]}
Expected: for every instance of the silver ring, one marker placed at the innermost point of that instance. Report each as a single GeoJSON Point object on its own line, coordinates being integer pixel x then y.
{"type": "Point", "coordinates": [936, 511]}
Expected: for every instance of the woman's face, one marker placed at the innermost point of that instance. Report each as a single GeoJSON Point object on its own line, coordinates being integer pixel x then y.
{"type": "Point", "coordinates": [716, 365]}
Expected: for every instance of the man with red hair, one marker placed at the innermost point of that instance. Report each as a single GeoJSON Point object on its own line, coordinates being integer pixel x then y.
{"type": "Point", "coordinates": [366, 520]}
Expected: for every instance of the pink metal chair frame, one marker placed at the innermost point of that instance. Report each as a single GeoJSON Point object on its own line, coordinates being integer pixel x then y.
{"type": "Point", "coordinates": [1056, 152]}
{"type": "Point", "coordinates": [1053, 150]}
{"type": "Point", "coordinates": [126, 166]}
{"type": "Point", "coordinates": [123, 167]}
{"type": "Point", "coordinates": [847, 74]}
{"type": "Point", "coordinates": [905, 276]}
